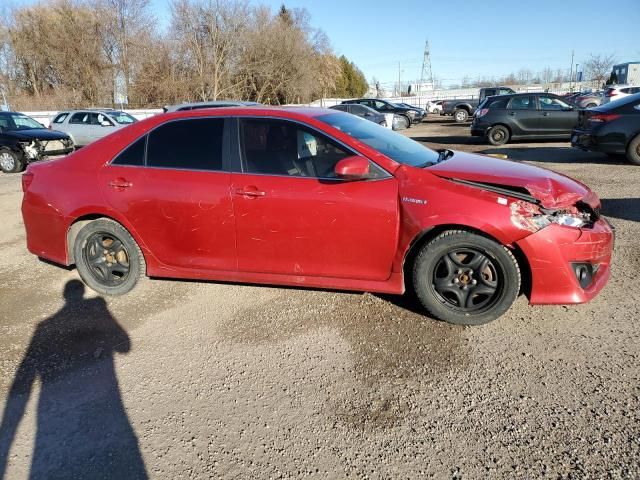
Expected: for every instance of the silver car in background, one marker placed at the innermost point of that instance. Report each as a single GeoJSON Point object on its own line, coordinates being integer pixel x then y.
{"type": "Point", "coordinates": [89, 125]}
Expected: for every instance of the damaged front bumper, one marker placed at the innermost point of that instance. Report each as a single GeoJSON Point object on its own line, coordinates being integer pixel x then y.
{"type": "Point", "coordinates": [36, 150]}
{"type": "Point", "coordinates": [568, 265]}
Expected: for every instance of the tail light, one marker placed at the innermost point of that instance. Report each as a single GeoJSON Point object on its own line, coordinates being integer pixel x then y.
{"type": "Point", "coordinates": [49, 127]}
{"type": "Point", "coordinates": [611, 93]}
{"type": "Point", "coordinates": [27, 178]}
{"type": "Point", "coordinates": [603, 117]}
{"type": "Point", "coordinates": [482, 112]}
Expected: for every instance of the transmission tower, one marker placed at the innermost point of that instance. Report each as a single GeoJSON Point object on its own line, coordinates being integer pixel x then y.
{"type": "Point", "coordinates": [427, 73]}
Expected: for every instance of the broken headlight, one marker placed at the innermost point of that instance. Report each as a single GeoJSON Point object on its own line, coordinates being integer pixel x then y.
{"type": "Point", "coordinates": [30, 149]}
{"type": "Point", "coordinates": [529, 216]}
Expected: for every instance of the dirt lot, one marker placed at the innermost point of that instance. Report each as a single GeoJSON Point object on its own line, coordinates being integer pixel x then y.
{"type": "Point", "coordinates": [195, 380]}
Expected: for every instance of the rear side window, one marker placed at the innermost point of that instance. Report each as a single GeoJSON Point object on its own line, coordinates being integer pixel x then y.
{"type": "Point", "coordinates": [194, 144]}
{"type": "Point", "coordinates": [133, 154]}
{"type": "Point", "coordinates": [80, 117]}
{"type": "Point", "coordinates": [498, 103]}
{"type": "Point", "coordinates": [522, 103]}
{"type": "Point", "coordinates": [60, 117]}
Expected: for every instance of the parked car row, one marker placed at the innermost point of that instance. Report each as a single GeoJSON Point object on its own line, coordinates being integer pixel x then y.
{"type": "Point", "coordinates": [409, 113]}
{"type": "Point", "coordinates": [612, 128]}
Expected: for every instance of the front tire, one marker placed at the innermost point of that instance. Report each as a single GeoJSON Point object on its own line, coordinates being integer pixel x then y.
{"type": "Point", "coordinates": [10, 161]}
{"type": "Point", "coordinates": [633, 151]}
{"type": "Point", "coordinates": [465, 279]}
{"type": "Point", "coordinates": [460, 115]}
{"type": "Point", "coordinates": [498, 135]}
{"type": "Point", "coordinates": [108, 259]}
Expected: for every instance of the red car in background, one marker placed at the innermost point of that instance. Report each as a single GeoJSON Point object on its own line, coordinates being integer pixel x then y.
{"type": "Point", "coordinates": [317, 198]}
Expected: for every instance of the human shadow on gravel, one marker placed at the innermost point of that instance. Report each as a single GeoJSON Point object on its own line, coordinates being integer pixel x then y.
{"type": "Point", "coordinates": [82, 426]}
{"type": "Point", "coordinates": [623, 208]}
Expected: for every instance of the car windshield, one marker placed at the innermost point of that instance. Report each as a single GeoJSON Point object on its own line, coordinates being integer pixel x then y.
{"type": "Point", "coordinates": [122, 118]}
{"type": "Point", "coordinates": [393, 145]}
{"type": "Point", "coordinates": [17, 121]}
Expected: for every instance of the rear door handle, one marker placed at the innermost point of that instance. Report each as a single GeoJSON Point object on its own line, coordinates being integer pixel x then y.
{"type": "Point", "coordinates": [250, 192]}
{"type": "Point", "coordinates": [513, 114]}
{"type": "Point", "coordinates": [545, 114]}
{"type": "Point", "coordinates": [120, 183]}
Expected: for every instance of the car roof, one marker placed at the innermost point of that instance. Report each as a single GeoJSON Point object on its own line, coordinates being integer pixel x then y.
{"type": "Point", "coordinates": [260, 110]}
{"type": "Point", "coordinates": [213, 103]}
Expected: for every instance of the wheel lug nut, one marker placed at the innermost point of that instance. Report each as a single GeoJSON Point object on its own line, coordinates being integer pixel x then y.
{"type": "Point", "coordinates": [105, 251]}
{"type": "Point", "coordinates": [459, 272]}
{"type": "Point", "coordinates": [455, 280]}
{"type": "Point", "coordinates": [473, 282]}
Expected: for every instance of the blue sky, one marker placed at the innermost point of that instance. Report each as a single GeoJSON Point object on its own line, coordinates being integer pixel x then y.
{"type": "Point", "coordinates": [468, 38]}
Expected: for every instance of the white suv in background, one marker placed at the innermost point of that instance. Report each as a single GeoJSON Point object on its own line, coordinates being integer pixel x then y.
{"type": "Point", "coordinates": [91, 124]}
{"type": "Point", "coordinates": [616, 92]}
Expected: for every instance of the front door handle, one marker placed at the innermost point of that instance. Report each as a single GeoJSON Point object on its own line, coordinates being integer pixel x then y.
{"type": "Point", "coordinates": [545, 114]}
{"type": "Point", "coordinates": [120, 183]}
{"type": "Point", "coordinates": [513, 114]}
{"type": "Point", "coordinates": [251, 192]}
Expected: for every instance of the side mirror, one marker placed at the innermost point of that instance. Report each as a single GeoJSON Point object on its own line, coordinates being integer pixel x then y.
{"type": "Point", "coordinates": [568, 109]}
{"type": "Point", "coordinates": [352, 168]}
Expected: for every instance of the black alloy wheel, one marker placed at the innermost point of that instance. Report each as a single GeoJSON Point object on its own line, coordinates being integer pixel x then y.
{"type": "Point", "coordinates": [467, 280]}
{"type": "Point", "coordinates": [107, 258]}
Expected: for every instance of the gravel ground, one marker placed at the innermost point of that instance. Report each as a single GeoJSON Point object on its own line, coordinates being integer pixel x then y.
{"type": "Point", "coordinates": [195, 380]}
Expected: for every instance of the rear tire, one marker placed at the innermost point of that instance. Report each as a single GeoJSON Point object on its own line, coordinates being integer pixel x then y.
{"type": "Point", "coordinates": [498, 135]}
{"type": "Point", "coordinates": [460, 115]}
{"type": "Point", "coordinates": [108, 259]}
{"type": "Point", "coordinates": [633, 151]}
{"type": "Point", "coordinates": [10, 161]}
{"type": "Point", "coordinates": [465, 279]}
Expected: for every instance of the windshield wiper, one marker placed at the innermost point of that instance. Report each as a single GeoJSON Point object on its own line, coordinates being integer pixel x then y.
{"type": "Point", "coordinates": [444, 154]}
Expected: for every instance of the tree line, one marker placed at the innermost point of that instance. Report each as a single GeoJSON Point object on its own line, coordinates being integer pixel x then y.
{"type": "Point", "coordinates": [72, 53]}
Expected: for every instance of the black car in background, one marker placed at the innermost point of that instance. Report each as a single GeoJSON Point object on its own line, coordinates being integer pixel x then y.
{"type": "Point", "coordinates": [612, 128]}
{"type": "Point", "coordinates": [24, 140]}
{"type": "Point", "coordinates": [382, 106]}
{"type": "Point", "coordinates": [421, 111]}
{"type": "Point", "coordinates": [364, 112]}
{"type": "Point", "coordinates": [524, 115]}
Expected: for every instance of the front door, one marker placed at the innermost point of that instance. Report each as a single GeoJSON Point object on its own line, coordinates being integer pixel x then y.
{"type": "Point", "coordinates": [294, 217]}
{"type": "Point", "coordinates": [178, 201]}
{"type": "Point", "coordinates": [557, 118]}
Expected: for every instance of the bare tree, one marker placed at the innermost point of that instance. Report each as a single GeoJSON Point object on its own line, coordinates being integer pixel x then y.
{"type": "Point", "coordinates": [598, 68]}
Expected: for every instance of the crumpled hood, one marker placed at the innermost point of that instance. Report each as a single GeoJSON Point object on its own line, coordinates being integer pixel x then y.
{"type": "Point", "coordinates": [552, 189]}
{"type": "Point", "coordinates": [36, 133]}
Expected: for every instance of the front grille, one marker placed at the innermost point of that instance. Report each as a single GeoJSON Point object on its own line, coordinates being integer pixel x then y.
{"type": "Point", "coordinates": [53, 146]}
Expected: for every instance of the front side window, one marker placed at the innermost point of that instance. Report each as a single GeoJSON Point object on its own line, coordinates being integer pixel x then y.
{"type": "Point", "coordinates": [277, 147]}
{"type": "Point", "coordinates": [193, 144]}
{"type": "Point", "coordinates": [489, 92]}
{"type": "Point", "coordinates": [102, 119]}
{"type": "Point", "coordinates": [551, 103]}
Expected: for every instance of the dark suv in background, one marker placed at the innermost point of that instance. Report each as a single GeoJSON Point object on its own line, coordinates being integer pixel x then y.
{"type": "Point", "coordinates": [524, 115]}
{"type": "Point", "coordinates": [382, 106]}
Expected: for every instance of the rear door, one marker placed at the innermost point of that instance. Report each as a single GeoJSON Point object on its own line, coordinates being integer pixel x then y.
{"type": "Point", "coordinates": [557, 117]}
{"type": "Point", "coordinates": [294, 217]}
{"type": "Point", "coordinates": [79, 127]}
{"type": "Point", "coordinates": [522, 115]}
{"type": "Point", "coordinates": [177, 198]}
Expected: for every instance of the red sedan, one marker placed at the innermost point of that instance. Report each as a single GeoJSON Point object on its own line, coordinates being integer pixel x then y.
{"type": "Point", "coordinates": [317, 198]}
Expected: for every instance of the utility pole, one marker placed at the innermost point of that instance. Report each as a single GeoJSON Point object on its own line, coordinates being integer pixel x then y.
{"type": "Point", "coordinates": [571, 74]}
{"type": "Point", "coordinates": [399, 84]}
